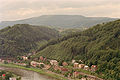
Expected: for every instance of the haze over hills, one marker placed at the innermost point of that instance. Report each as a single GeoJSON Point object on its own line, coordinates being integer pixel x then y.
{"type": "Point", "coordinates": [62, 21]}
{"type": "Point", "coordinates": [99, 45]}
{"type": "Point", "coordinates": [21, 38]}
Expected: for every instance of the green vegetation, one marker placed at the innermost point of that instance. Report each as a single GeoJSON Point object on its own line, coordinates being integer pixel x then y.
{"type": "Point", "coordinates": [58, 77]}
{"type": "Point", "coordinates": [70, 31]}
{"type": "Point", "coordinates": [8, 75]}
{"type": "Point", "coordinates": [22, 38]}
{"type": "Point", "coordinates": [99, 45]}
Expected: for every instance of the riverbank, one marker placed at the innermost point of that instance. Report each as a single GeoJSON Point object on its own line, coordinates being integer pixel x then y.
{"type": "Point", "coordinates": [40, 71]}
{"type": "Point", "coordinates": [6, 75]}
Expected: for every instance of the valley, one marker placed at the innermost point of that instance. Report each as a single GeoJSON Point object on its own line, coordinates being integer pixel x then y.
{"type": "Point", "coordinates": [68, 53]}
{"type": "Point", "coordinates": [59, 40]}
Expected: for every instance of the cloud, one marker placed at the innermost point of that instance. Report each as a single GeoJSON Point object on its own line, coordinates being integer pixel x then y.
{"type": "Point", "coordinates": [20, 9]}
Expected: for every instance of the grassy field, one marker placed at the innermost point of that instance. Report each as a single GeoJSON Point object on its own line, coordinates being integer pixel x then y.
{"type": "Point", "coordinates": [54, 76]}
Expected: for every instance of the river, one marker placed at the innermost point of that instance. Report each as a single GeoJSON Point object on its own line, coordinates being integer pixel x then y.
{"type": "Point", "coordinates": [26, 75]}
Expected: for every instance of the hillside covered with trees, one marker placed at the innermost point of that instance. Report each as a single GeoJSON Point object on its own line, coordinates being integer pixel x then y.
{"type": "Point", "coordinates": [99, 45]}
{"type": "Point", "coordinates": [21, 38]}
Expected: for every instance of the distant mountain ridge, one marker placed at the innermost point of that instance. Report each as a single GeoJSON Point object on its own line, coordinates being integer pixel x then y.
{"type": "Point", "coordinates": [63, 21]}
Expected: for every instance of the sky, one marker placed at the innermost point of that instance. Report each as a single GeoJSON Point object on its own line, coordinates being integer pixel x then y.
{"type": "Point", "coordinates": [20, 9]}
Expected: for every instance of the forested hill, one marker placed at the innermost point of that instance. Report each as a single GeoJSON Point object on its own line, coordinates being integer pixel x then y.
{"type": "Point", "coordinates": [62, 21]}
{"type": "Point", "coordinates": [22, 38]}
{"type": "Point", "coordinates": [99, 45]}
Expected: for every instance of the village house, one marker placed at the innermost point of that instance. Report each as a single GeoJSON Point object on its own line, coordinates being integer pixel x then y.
{"type": "Point", "coordinates": [76, 74]}
{"type": "Point", "coordinates": [9, 61]}
{"type": "Point", "coordinates": [65, 64]}
{"type": "Point", "coordinates": [84, 79]}
{"type": "Point", "coordinates": [63, 70]}
{"type": "Point", "coordinates": [76, 65]}
{"type": "Point", "coordinates": [57, 68]}
{"type": "Point", "coordinates": [2, 61]}
{"type": "Point", "coordinates": [24, 58]}
{"type": "Point", "coordinates": [47, 67]}
{"type": "Point", "coordinates": [73, 61]}
{"type": "Point", "coordinates": [35, 59]}
{"type": "Point", "coordinates": [5, 60]}
{"type": "Point", "coordinates": [41, 58]}
{"type": "Point", "coordinates": [45, 59]}
{"type": "Point", "coordinates": [80, 61]}
{"type": "Point", "coordinates": [39, 64]}
{"type": "Point", "coordinates": [86, 67]}
{"type": "Point", "coordinates": [93, 67]}
{"type": "Point", "coordinates": [81, 66]}
{"type": "Point", "coordinates": [34, 52]}
{"type": "Point", "coordinates": [69, 75]}
{"type": "Point", "coordinates": [12, 79]}
{"type": "Point", "coordinates": [54, 62]}
{"type": "Point", "coordinates": [29, 54]}
{"type": "Point", "coordinates": [35, 64]}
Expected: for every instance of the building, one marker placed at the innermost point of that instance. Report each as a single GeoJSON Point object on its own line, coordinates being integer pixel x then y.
{"type": "Point", "coordinates": [81, 66]}
{"type": "Point", "coordinates": [86, 67]}
{"type": "Point", "coordinates": [54, 62]}
{"type": "Point", "coordinates": [76, 74]}
{"type": "Point", "coordinates": [29, 54]}
{"type": "Point", "coordinates": [0, 60]}
{"type": "Point", "coordinates": [73, 61]}
{"type": "Point", "coordinates": [35, 64]}
{"type": "Point", "coordinates": [57, 68]}
{"type": "Point", "coordinates": [12, 79]}
{"type": "Point", "coordinates": [47, 66]}
{"type": "Point", "coordinates": [93, 67]}
{"type": "Point", "coordinates": [41, 58]}
{"type": "Point", "coordinates": [65, 64]}
{"type": "Point", "coordinates": [76, 65]}
{"type": "Point", "coordinates": [33, 52]}
{"type": "Point", "coordinates": [24, 58]}
{"type": "Point", "coordinates": [45, 59]}
{"type": "Point", "coordinates": [9, 61]}
{"type": "Point", "coordinates": [63, 70]}
{"type": "Point", "coordinates": [80, 61]}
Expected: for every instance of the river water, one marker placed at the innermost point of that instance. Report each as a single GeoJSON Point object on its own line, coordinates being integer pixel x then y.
{"type": "Point", "coordinates": [26, 75]}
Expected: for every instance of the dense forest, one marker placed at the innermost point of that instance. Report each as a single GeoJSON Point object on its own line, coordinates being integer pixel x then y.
{"type": "Point", "coordinates": [99, 45]}
{"type": "Point", "coordinates": [69, 31]}
{"type": "Point", "coordinates": [21, 38]}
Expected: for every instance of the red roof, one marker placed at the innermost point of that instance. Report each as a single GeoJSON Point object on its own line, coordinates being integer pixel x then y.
{"type": "Point", "coordinates": [94, 66]}
{"type": "Point", "coordinates": [3, 75]}
{"type": "Point", "coordinates": [64, 69]}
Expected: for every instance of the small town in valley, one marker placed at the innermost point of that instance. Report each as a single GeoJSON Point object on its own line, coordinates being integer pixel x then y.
{"type": "Point", "coordinates": [73, 69]}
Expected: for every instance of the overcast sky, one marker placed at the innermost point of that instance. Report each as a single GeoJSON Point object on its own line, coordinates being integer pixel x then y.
{"type": "Point", "coordinates": [21, 9]}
